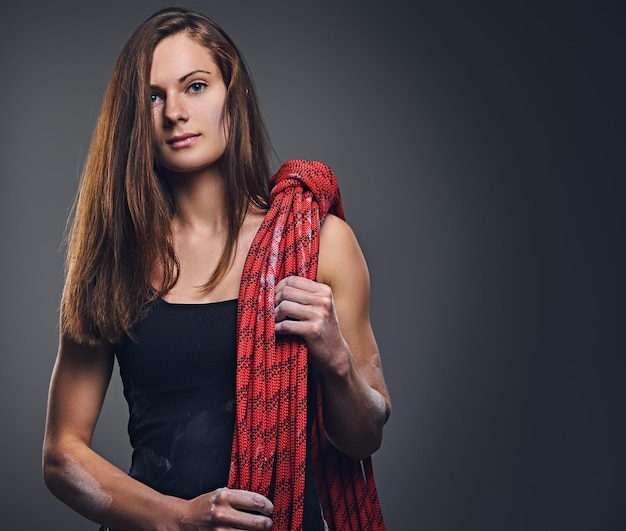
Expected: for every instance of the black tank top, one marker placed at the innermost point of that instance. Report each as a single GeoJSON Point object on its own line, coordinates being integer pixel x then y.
{"type": "Point", "coordinates": [179, 381]}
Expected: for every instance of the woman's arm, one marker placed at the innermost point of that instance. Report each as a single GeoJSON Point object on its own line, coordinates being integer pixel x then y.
{"type": "Point", "coordinates": [97, 489]}
{"type": "Point", "coordinates": [332, 315]}
{"type": "Point", "coordinates": [73, 472]}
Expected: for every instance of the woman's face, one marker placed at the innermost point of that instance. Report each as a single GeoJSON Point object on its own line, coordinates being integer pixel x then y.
{"type": "Point", "coordinates": [188, 96]}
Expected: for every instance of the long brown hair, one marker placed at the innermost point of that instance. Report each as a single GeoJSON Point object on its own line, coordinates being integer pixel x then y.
{"type": "Point", "coordinates": [121, 216]}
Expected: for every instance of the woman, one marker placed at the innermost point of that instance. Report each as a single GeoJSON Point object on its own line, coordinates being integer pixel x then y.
{"type": "Point", "coordinates": [239, 320]}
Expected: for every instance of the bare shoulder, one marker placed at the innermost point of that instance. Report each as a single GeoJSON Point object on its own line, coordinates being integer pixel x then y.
{"type": "Point", "coordinates": [340, 258]}
{"type": "Point", "coordinates": [336, 230]}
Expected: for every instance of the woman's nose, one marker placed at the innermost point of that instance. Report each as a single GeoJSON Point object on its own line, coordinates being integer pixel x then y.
{"type": "Point", "coordinates": [174, 110]}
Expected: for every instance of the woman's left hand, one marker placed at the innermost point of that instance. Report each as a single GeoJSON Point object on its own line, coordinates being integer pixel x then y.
{"type": "Point", "coordinates": [306, 308]}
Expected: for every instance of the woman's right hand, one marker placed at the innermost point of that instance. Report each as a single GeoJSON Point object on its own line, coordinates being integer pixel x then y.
{"type": "Point", "coordinates": [226, 508]}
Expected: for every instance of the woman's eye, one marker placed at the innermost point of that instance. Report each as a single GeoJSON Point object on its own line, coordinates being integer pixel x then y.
{"type": "Point", "coordinates": [197, 87]}
{"type": "Point", "coordinates": [155, 98]}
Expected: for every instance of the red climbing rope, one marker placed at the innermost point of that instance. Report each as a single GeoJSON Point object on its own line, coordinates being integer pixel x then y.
{"type": "Point", "coordinates": [269, 444]}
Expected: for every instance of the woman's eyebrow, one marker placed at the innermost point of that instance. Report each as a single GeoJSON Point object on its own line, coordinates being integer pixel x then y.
{"type": "Point", "coordinates": [182, 79]}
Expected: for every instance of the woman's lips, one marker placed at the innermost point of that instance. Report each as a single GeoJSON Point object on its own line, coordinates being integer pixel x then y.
{"type": "Point", "coordinates": [182, 141]}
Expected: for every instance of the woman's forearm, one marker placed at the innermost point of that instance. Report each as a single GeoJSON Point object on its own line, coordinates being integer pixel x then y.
{"type": "Point", "coordinates": [103, 493]}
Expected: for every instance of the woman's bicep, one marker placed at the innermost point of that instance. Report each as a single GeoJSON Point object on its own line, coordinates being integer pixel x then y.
{"type": "Point", "coordinates": [78, 385]}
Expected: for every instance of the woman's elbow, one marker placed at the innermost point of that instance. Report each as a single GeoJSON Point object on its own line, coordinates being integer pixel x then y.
{"type": "Point", "coordinates": [58, 466]}
{"type": "Point", "coordinates": [52, 467]}
{"type": "Point", "coordinates": [359, 446]}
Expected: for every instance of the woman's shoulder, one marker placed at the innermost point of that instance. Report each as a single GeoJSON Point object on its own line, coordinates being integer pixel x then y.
{"type": "Point", "coordinates": [335, 231]}
{"type": "Point", "coordinates": [340, 254]}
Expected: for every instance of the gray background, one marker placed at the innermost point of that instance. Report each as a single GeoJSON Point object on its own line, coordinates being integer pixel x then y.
{"type": "Point", "coordinates": [480, 153]}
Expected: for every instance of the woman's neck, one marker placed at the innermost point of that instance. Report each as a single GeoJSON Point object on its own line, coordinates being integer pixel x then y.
{"type": "Point", "coordinates": [200, 200]}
